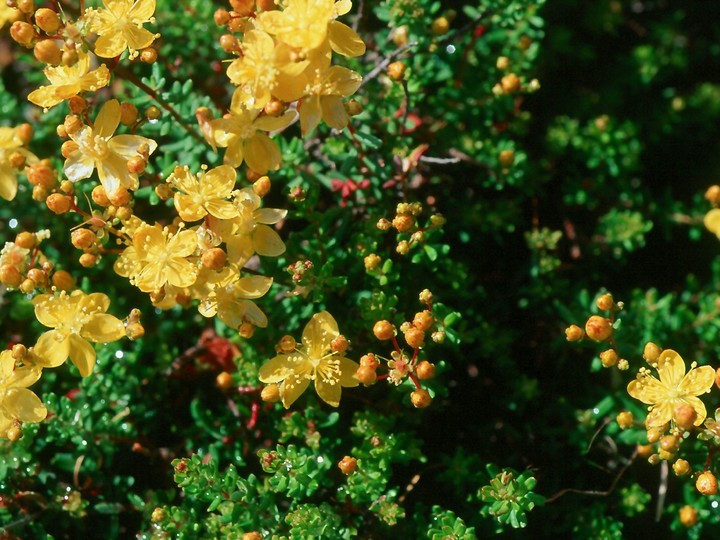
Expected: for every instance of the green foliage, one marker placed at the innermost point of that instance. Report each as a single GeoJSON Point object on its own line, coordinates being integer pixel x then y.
{"type": "Point", "coordinates": [509, 496]}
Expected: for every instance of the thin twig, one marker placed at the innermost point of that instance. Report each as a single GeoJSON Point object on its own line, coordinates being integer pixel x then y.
{"type": "Point", "coordinates": [386, 62]}
{"type": "Point", "coordinates": [440, 161]}
{"type": "Point", "coordinates": [594, 492]}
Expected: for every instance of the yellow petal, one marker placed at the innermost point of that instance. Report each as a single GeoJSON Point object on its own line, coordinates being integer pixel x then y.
{"type": "Point", "coordinates": [698, 381]}
{"type": "Point", "coordinates": [648, 390]}
{"type": "Point", "coordinates": [8, 183]}
{"type": "Point", "coordinates": [269, 216]}
{"type": "Point", "coordinates": [292, 388]}
{"type": "Point", "coordinates": [219, 181]}
{"type": "Point", "coordinates": [82, 354]}
{"type": "Point", "coordinates": [188, 208]}
{"type": "Point", "coordinates": [348, 368]}
{"type": "Point", "coordinates": [142, 10]}
{"type": "Point", "coordinates": [180, 272]}
{"type": "Point", "coordinates": [79, 166]}
{"type": "Point", "coordinates": [333, 112]}
{"type": "Point", "coordinates": [103, 328]}
{"type": "Point", "coordinates": [660, 414]}
{"type": "Point", "coordinates": [276, 369]}
{"type": "Point", "coordinates": [138, 38]}
{"type": "Point", "coordinates": [344, 40]}
{"type": "Point", "coordinates": [48, 352]}
{"type": "Point", "coordinates": [222, 209]}
{"type": "Point", "coordinates": [274, 123]}
{"type": "Point", "coordinates": [110, 45]}
{"type": "Point", "coordinates": [267, 242]}
{"type": "Point", "coordinates": [183, 244]}
{"type": "Point", "coordinates": [310, 114]}
{"type": "Point", "coordinates": [252, 287]}
{"type": "Point", "coordinates": [671, 368]}
{"type": "Point", "coordinates": [24, 376]}
{"type": "Point", "coordinates": [329, 390]}
{"type": "Point", "coordinates": [318, 334]}
{"type": "Point", "coordinates": [24, 405]}
{"type": "Point", "coordinates": [108, 119]}
{"type": "Point", "coordinates": [44, 97]}
{"type": "Point", "coordinates": [262, 154]}
{"type": "Point", "coordinates": [127, 145]}
{"type": "Point", "coordinates": [699, 407]}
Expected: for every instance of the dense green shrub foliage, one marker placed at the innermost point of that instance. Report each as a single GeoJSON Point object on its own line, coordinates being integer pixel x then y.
{"type": "Point", "coordinates": [439, 285]}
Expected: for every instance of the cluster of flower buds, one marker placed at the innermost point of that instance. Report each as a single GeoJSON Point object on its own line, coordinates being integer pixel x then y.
{"type": "Point", "coordinates": [401, 365]}
{"type": "Point", "coordinates": [405, 222]}
{"type": "Point", "coordinates": [25, 267]}
{"type": "Point", "coordinates": [601, 329]}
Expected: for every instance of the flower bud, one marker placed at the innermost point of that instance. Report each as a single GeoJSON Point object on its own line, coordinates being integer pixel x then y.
{"type": "Point", "coordinates": [224, 380]}
{"type": "Point", "coordinates": [384, 330]}
{"type": "Point", "coordinates": [669, 443]}
{"type": "Point", "coordinates": [688, 516]}
{"type": "Point", "coordinates": [713, 194]}
{"type": "Point", "coordinates": [706, 483]}
{"type": "Point", "coordinates": [414, 337]}
{"type": "Point", "coordinates": [59, 203]}
{"type": "Point", "coordinates": [99, 196]}
{"type": "Point", "coordinates": [506, 158]}
{"type": "Point", "coordinates": [42, 174]}
{"type": "Point", "coordinates": [83, 238]}
{"type": "Point", "coordinates": [274, 107]}
{"type": "Point", "coordinates": [14, 433]}
{"type": "Point", "coordinates": [149, 55]}
{"type": "Point", "coordinates": [270, 393]}
{"type": "Point", "coordinates": [403, 222]}
{"type": "Point", "coordinates": [339, 344]}
{"type": "Point", "coordinates": [681, 467]}
{"type": "Point", "coordinates": [574, 333]}
{"type": "Point", "coordinates": [47, 51]}
{"type": "Point", "coordinates": [425, 370]}
{"type": "Point", "coordinates": [502, 63]}
{"type": "Point", "coordinates": [214, 258]}
{"type": "Point", "coordinates": [25, 240]}
{"type": "Point", "coordinates": [261, 186]}
{"type": "Point", "coordinates": [88, 260]}
{"type": "Point", "coordinates": [624, 419]}
{"type": "Point", "coordinates": [348, 465]}
{"type": "Point", "coordinates": [23, 33]}
{"type": "Point", "coordinates": [598, 328]}
{"type": "Point", "coordinates": [685, 416]}
{"type": "Point", "coordinates": [63, 280]}
{"type": "Point", "coordinates": [440, 26]}
{"type": "Point", "coordinates": [252, 535]}
{"type": "Point", "coordinates": [128, 114]}
{"type": "Point", "coordinates": [48, 21]}
{"type": "Point", "coordinates": [221, 16]}
{"type": "Point", "coordinates": [510, 83]}
{"type": "Point", "coordinates": [369, 360]}
{"type": "Point", "coordinates": [26, 6]}
{"type": "Point", "coordinates": [372, 262]}
{"type": "Point", "coordinates": [119, 197]}
{"type": "Point", "coordinates": [396, 70]}
{"type": "Point", "coordinates": [10, 276]}
{"type": "Point", "coordinates": [608, 358]}
{"type": "Point", "coordinates": [246, 330]}
{"type": "Point", "coordinates": [229, 44]}
{"type": "Point", "coordinates": [366, 375]}
{"type": "Point", "coordinates": [353, 107]}
{"type": "Point", "coordinates": [37, 276]}
{"type": "Point", "coordinates": [651, 352]}
{"type": "Point", "coordinates": [420, 398]}
{"type": "Point", "coordinates": [605, 302]}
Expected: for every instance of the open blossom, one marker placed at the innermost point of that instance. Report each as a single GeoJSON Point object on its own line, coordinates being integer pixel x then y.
{"type": "Point", "coordinates": [263, 68]}
{"type": "Point", "coordinates": [158, 257]}
{"type": "Point", "coordinates": [241, 131]}
{"type": "Point", "coordinates": [326, 87]}
{"type": "Point", "coordinates": [206, 193]}
{"type": "Point", "coordinates": [16, 401]}
{"type": "Point", "coordinates": [69, 81]}
{"type": "Point", "coordinates": [120, 26]}
{"type": "Point", "coordinates": [75, 319]}
{"type": "Point", "coordinates": [675, 387]}
{"type": "Point", "coordinates": [97, 148]}
{"type": "Point", "coordinates": [230, 300]}
{"type": "Point", "coordinates": [10, 144]}
{"type": "Point", "coordinates": [313, 361]}
{"type": "Point", "coordinates": [306, 24]}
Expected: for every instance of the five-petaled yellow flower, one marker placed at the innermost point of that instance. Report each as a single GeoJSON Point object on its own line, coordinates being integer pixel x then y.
{"type": "Point", "coordinates": [98, 149]}
{"type": "Point", "coordinates": [204, 194]}
{"type": "Point", "coordinates": [675, 387]}
{"type": "Point", "coordinates": [16, 401]}
{"type": "Point", "coordinates": [74, 318]}
{"type": "Point", "coordinates": [313, 361]}
{"type": "Point", "coordinates": [119, 26]}
{"type": "Point", "coordinates": [162, 258]}
{"type": "Point", "coordinates": [69, 81]}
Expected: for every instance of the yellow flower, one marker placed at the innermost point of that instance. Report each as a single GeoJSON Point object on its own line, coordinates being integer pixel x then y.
{"type": "Point", "coordinates": [306, 24]}
{"type": "Point", "coordinates": [314, 361]}
{"type": "Point", "coordinates": [326, 86]}
{"type": "Point", "coordinates": [250, 232]}
{"type": "Point", "coordinates": [230, 300]}
{"type": "Point", "coordinates": [98, 149]}
{"type": "Point", "coordinates": [263, 68]}
{"type": "Point", "coordinates": [75, 318]}
{"type": "Point", "coordinates": [674, 388]}
{"type": "Point", "coordinates": [10, 144]}
{"type": "Point", "coordinates": [16, 401]}
{"type": "Point", "coordinates": [69, 81]}
{"type": "Point", "coordinates": [204, 194]}
{"type": "Point", "coordinates": [119, 26]}
{"type": "Point", "coordinates": [163, 258]}
{"type": "Point", "coordinates": [241, 133]}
